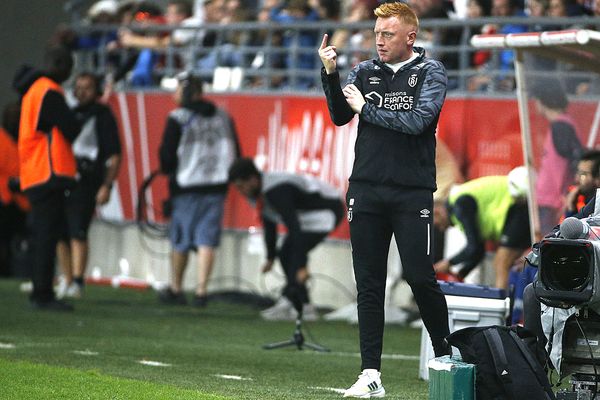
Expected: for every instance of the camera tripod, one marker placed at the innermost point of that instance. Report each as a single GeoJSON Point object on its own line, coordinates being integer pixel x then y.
{"type": "Point", "coordinates": [297, 338]}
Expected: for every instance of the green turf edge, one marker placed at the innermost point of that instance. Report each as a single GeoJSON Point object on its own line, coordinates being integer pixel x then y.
{"type": "Point", "coordinates": [25, 380]}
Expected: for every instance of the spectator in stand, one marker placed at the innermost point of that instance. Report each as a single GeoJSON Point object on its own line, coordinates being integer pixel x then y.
{"type": "Point", "coordinates": [214, 12]}
{"type": "Point", "coordinates": [177, 12]}
{"type": "Point", "coordinates": [561, 9]}
{"type": "Point", "coordinates": [588, 6]}
{"type": "Point", "coordinates": [327, 9]}
{"type": "Point", "coordinates": [576, 8]}
{"type": "Point", "coordinates": [231, 9]}
{"type": "Point", "coordinates": [355, 46]}
{"type": "Point", "coordinates": [587, 180]}
{"type": "Point", "coordinates": [565, 9]}
{"type": "Point", "coordinates": [103, 12]}
{"type": "Point", "coordinates": [199, 144]}
{"type": "Point", "coordinates": [438, 37]}
{"type": "Point", "coordinates": [537, 9]}
{"type": "Point", "coordinates": [298, 42]}
{"type": "Point", "coordinates": [142, 73]}
{"type": "Point", "coordinates": [309, 209]}
{"type": "Point", "coordinates": [490, 208]}
{"type": "Point", "coordinates": [480, 9]}
{"type": "Point", "coordinates": [507, 8]}
{"type": "Point", "coordinates": [558, 8]}
{"type": "Point", "coordinates": [261, 62]}
{"type": "Point", "coordinates": [98, 153]}
{"type": "Point", "coordinates": [125, 57]}
{"type": "Point", "coordinates": [561, 150]}
{"type": "Point", "coordinates": [226, 53]}
{"type": "Point", "coordinates": [481, 58]}
{"type": "Point", "coordinates": [13, 205]}
{"type": "Point", "coordinates": [486, 80]}
{"type": "Point", "coordinates": [126, 12]}
{"type": "Point", "coordinates": [46, 164]}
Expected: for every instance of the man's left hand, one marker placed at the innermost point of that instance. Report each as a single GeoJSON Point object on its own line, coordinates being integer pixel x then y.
{"type": "Point", "coordinates": [354, 97]}
{"type": "Point", "coordinates": [103, 195]}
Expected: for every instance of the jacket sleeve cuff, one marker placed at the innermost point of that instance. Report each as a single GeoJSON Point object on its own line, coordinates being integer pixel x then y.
{"type": "Point", "coordinates": [332, 78]}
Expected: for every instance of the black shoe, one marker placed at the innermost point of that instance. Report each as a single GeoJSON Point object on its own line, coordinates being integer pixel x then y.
{"type": "Point", "coordinates": [52, 305]}
{"type": "Point", "coordinates": [442, 348]}
{"type": "Point", "coordinates": [200, 300]}
{"type": "Point", "coordinates": [168, 296]}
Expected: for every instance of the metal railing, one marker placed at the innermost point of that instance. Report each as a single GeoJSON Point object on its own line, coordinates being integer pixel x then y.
{"type": "Point", "coordinates": [275, 57]}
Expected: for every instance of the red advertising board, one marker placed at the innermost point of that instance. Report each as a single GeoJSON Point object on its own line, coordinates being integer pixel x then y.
{"type": "Point", "coordinates": [292, 133]}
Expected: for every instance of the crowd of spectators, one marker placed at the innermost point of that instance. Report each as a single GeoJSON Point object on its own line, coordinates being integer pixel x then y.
{"type": "Point", "coordinates": [139, 42]}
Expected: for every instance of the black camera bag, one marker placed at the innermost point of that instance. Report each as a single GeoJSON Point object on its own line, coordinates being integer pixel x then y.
{"type": "Point", "coordinates": [508, 362]}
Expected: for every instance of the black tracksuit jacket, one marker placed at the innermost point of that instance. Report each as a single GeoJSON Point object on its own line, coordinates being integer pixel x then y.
{"type": "Point", "coordinates": [396, 131]}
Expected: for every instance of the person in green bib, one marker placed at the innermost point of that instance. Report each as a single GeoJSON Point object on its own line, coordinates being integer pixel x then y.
{"type": "Point", "coordinates": [490, 208]}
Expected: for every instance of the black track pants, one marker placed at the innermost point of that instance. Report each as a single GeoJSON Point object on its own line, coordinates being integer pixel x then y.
{"type": "Point", "coordinates": [375, 212]}
{"type": "Point", "coordinates": [47, 221]}
{"type": "Point", "coordinates": [294, 290]}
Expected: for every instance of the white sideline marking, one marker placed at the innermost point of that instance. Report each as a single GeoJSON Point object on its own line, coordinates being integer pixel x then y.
{"type": "Point", "coordinates": [386, 356]}
{"type": "Point", "coordinates": [398, 357]}
{"type": "Point", "coordinates": [86, 352]}
{"type": "Point", "coordinates": [232, 377]}
{"type": "Point", "coordinates": [329, 389]}
{"type": "Point", "coordinates": [7, 346]}
{"type": "Point", "coordinates": [154, 363]}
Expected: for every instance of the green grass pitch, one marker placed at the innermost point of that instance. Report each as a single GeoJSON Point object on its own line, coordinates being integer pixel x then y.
{"type": "Point", "coordinates": [95, 352]}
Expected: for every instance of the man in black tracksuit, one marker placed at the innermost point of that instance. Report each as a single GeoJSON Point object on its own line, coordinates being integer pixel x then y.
{"type": "Point", "coordinates": [398, 97]}
{"type": "Point", "coordinates": [310, 210]}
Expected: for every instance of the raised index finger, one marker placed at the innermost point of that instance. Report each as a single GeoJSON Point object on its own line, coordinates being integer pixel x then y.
{"type": "Point", "coordinates": [324, 42]}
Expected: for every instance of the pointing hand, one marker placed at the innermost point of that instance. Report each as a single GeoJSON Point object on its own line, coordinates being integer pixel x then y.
{"type": "Point", "coordinates": [328, 55]}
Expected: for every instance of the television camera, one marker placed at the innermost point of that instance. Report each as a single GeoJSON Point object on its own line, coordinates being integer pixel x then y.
{"type": "Point", "coordinates": [568, 285]}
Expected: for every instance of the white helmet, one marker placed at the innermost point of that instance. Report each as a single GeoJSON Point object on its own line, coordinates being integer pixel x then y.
{"type": "Point", "coordinates": [518, 182]}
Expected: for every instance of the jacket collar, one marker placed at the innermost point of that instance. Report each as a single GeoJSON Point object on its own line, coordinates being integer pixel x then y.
{"type": "Point", "coordinates": [419, 59]}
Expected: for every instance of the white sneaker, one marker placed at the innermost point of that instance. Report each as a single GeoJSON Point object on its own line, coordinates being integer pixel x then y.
{"type": "Point", "coordinates": [61, 288]}
{"type": "Point", "coordinates": [74, 291]}
{"type": "Point", "coordinates": [367, 386]}
{"type": "Point", "coordinates": [283, 310]}
{"type": "Point", "coordinates": [417, 323]}
{"type": "Point", "coordinates": [26, 287]}
{"type": "Point", "coordinates": [309, 312]}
